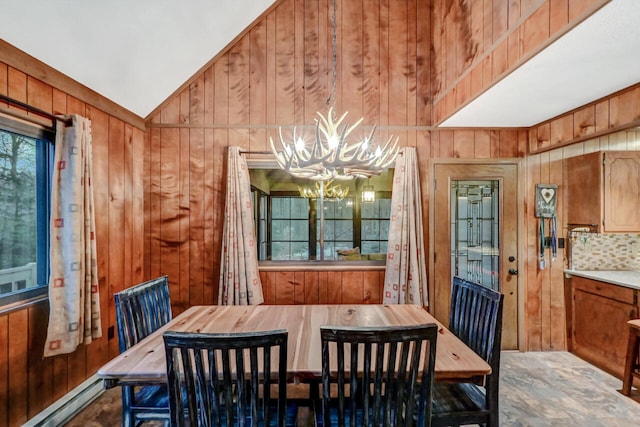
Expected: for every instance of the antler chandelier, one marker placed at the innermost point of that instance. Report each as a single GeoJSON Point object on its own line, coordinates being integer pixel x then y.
{"type": "Point", "coordinates": [331, 156]}
{"type": "Point", "coordinates": [328, 191]}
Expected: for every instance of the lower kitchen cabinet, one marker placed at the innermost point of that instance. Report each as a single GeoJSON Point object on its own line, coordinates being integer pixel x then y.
{"type": "Point", "coordinates": [599, 312]}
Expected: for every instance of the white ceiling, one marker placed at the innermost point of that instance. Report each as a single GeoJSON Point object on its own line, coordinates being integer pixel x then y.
{"type": "Point", "coordinates": [600, 56]}
{"type": "Point", "coordinates": [134, 52]}
{"type": "Point", "coordinates": [137, 53]}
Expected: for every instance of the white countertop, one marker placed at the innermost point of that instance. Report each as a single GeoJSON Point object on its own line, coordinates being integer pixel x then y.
{"type": "Point", "coordinates": [627, 278]}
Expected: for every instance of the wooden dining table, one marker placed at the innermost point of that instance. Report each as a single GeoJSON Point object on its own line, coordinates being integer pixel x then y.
{"type": "Point", "coordinates": [144, 363]}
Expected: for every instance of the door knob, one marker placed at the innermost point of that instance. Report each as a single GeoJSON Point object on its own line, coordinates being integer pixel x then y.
{"type": "Point", "coordinates": [512, 258]}
{"type": "Point", "coordinates": [513, 272]}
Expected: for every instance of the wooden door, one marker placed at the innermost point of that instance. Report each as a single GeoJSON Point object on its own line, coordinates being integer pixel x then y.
{"type": "Point", "coordinates": [506, 262]}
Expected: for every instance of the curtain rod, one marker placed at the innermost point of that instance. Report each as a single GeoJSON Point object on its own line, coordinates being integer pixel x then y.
{"type": "Point", "coordinates": [35, 110]}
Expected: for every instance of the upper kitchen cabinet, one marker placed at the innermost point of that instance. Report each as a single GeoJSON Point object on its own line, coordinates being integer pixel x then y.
{"type": "Point", "coordinates": [603, 189]}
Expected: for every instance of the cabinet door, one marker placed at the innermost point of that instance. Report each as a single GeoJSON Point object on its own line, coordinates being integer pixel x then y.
{"type": "Point", "coordinates": [621, 191]}
{"type": "Point", "coordinates": [584, 189]}
{"type": "Point", "coordinates": [600, 330]}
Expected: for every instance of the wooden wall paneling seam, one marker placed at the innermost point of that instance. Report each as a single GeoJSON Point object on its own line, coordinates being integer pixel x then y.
{"type": "Point", "coordinates": [220, 144]}
{"type": "Point", "coordinates": [370, 63]}
{"type": "Point", "coordinates": [258, 87]}
{"type": "Point", "coordinates": [545, 276]}
{"type": "Point", "coordinates": [137, 202]}
{"type": "Point", "coordinates": [534, 275]}
{"type": "Point", "coordinates": [127, 194]}
{"type": "Point", "coordinates": [184, 203]}
{"type": "Point", "coordinates": [557, 303]}
{"type": "Point", "coordinates": [299, 31]}
{"type": "Point", "coordinates": [100, 145]}
{"type": "Point", "coordinates": [40, 370]}
{"type": "Point", "coordinates": [196, 171]}
{"type": "Point", "coordinates": [412, 72]}
{"type": "Point", "coordinates": [170, 242]}
{"type": "Point", "coordinates": [208, 206]}
{"type": "Point", "coordinates": [314, 60]}
{"type": "Point", "coordinates": [239, 93]}
{"type": "Point", "coordinates": [18, 378]}
{"type": "Point", "coordinates": [299, 288]}
{"type": "Point", "coordinates": [154, 221]}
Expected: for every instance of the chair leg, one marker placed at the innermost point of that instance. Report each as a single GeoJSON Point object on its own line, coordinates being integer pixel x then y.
{"type": "Point", "coordinates": [127, 399]}
{"type": "Point", "coordinates": [630, 361]}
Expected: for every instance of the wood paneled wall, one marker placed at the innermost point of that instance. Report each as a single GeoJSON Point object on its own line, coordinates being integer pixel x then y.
{"type": "Point", "coordinates": [161, 191]}
{"type": "Point", "coordinates": [477, 43]}
{"type": "Point", "coordinates": [596, 126]}
{"type": "Point", "coordinates": [279, 73]}
{"type": "Point", "coordinates": [323, 287]}
{"type": "Point", "coordinates": [29, 383]}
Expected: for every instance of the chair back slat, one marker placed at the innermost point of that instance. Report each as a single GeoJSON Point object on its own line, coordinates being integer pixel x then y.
{"type": "Point", "coordinates": [226, 379]}
{"type": "Point", "coordinates": [476, 318]}
{"type": "Point", "coordinates": [141, 310]}
{"type": "Point", "coordinates": [388, 370]}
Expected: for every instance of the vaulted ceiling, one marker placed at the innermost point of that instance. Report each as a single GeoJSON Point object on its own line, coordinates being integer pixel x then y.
{"type": "Point", "coordinates": [137, 53]}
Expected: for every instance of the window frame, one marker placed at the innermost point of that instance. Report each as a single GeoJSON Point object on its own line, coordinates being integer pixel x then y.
{"type": "Point", "coordinates": [257, 161]}
{"type": "Point", "coordinates": [45, 140]}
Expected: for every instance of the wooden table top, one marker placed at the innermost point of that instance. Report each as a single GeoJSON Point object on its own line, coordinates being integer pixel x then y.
{"type": "Point", "coordinates": [145, 362]}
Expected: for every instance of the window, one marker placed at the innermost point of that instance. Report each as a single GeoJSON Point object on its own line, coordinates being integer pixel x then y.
{"type": "Point", "coordinates": [338, 227]}
{"type": "Point", "coordinates": [288, 225]}
{"type": "Point", "coordinates": [289, 228]}
{"type": "Point", "coordinates": [374, 224]}
{"type": "Point", "coordinates": [26, 159]}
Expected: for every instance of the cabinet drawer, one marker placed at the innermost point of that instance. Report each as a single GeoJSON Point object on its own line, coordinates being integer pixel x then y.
{"type": "Point", "coordinates": [606, 290]}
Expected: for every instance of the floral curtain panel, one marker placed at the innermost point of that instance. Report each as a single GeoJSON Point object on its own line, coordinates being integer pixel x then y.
{"type": "Point", "coordinates": [74, 297]}
{"type": "Point", "coordinates": [405, 279]}
{"type": "Point", "coordinates": [239, 278]}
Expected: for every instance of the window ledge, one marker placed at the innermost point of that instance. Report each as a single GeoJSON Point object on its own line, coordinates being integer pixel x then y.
{"type": "Point", "coordinates": [321, 265]}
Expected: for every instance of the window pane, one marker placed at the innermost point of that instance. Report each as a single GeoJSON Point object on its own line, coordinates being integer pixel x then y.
{"type": "Point", "coordinates": [280, 250]}
{"type": "Point", "coordinates": [385, 208]}
{"type": "Point", "coordinates": [280, 207]}
{"type": "Point", "coordinates": [299, 207]}
{"type": "Point", "coordinates": [18, 213]}
{"type": "Point", "coordinates": [370, 229]}
{"type": "Point", "coordinates": [280, 229]}
{"type": "Point", "coordinates": [343, 230]}
{"type": "Point", "coordinates": [370, 247]}
{"type": "Point", "coordinates": [300, 230]}
{"type": "Point", "coordinates": [369, 210]}
{"type": "Point", "coordinates": [299, 250]}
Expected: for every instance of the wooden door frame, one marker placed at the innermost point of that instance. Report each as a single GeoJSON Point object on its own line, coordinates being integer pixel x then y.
{"type": "Point", "coordinates": [521, 264]}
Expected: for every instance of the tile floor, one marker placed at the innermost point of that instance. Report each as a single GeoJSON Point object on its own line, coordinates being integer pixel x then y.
{"type": "Point", "coordinates": [538, 389]}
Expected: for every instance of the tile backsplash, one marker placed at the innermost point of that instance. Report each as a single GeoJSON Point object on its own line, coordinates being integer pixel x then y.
{"type": "Point", "coordinates": [595, 251]}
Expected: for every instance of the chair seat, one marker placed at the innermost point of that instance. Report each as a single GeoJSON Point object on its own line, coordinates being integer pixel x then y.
{"type": "Point", "coordinates": [291, 417]}
{"type": "Point", "coordinates": [459, 399]}
{"type": "Point", "coordinates": [359, 415]}
{"type": "Point", "coordinates": [152, 396]}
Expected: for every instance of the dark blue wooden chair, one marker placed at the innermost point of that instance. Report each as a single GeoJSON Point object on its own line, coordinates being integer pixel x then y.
{"type": "Point", "coordinates": [476, 318]}
{"type": "Point", "coordinates": [210, 384]}
{"type": "Point", "coordinates": [140, 310]}
{"type": "Point", "coordinates": [377, 375]}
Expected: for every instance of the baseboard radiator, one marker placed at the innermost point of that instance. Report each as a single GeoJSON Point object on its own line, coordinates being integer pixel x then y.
{"type": "Point", "coordinates": [69, 405]}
